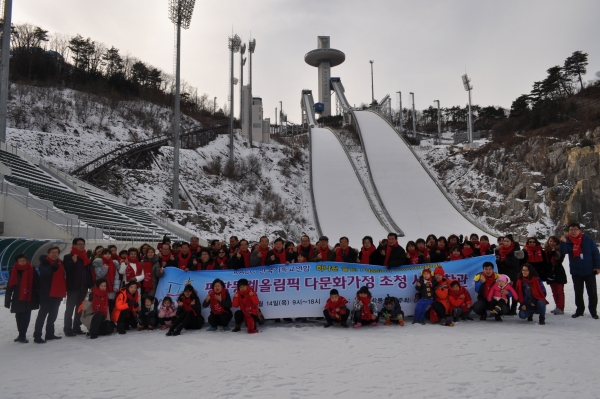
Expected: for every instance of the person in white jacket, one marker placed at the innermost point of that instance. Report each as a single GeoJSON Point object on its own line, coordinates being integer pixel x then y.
{"type": "Point", "coordinates": [107, 268]}
{"type": "Point", "coordinates": [132, 269]}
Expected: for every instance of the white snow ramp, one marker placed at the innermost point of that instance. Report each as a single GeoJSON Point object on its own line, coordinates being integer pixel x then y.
{"type": "Point", "coordinates": [342, 207]}
{"type": "Point", "coordinates": [411, 197]}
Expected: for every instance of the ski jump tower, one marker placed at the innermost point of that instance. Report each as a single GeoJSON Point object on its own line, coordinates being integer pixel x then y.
{"type": "Point", "coordinates": [324, 58]}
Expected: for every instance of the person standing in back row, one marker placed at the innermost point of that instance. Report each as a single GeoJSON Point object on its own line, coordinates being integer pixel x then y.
{"type": "Point", "coordinates": [53, 288]}
{"type": "Point", "coordinates": [79, 280]}
{"type": "Point", "coordinates": [584, 263]}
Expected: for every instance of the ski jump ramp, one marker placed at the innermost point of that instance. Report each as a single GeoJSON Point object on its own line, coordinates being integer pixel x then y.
{"type": "Point", "coordinates": [341, 204]}
{"type": "Point", "coordinates": [410, 194]}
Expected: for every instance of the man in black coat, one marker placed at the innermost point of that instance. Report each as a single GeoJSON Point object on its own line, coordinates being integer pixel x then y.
{"type": "Point", "coordinates": [79, 280]}
{"type": "Point", "coordinates": [49, 304]}
{"type": "Point", "coordinates": [392, 253]}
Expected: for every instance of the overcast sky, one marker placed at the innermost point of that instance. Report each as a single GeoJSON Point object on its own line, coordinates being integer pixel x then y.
{"type": "Point", "coordinates": [418, 46]}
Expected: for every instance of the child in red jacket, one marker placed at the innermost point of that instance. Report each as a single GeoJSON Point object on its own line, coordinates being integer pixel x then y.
{"type": "Point", "coordinates": [460, 302]}
{"type": "Point", "coordinates": [336, 310]}
{"type": "Point", "coordinates": [246, 299]}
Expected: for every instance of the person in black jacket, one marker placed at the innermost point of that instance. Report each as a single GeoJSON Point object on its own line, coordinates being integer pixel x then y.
{"type": "Point", "coordinates": [219, 301]}
{"type": "Point", "coordinates": [393, 253]}
{"type": "Point", "coordinates": [291, 253]}
{"type": "Point", "coordinates": [240, 259]}
{"type": "Point", "coordinates": [148, 314]}
{"type": "Point", "coordinates": [53, 288]}
{"type": "Point", "coordinates": [79, 280]}
{"type": "Point", "coordinates": [188, 312]}
{"type": "Point", "coordinates": [556, 275]}
{"type": "Point", "coordinates": [391, 311]}
{"type": "Point", "coordinates": [369, 255]}
{"type": "Point", "coordinates": [22, 294]}
{"type": "Point", "coordinates": [278, 255]}
{"type": "Point", "coordinates": [345, 253]}
{"type": "Point", "coordinates": [509, 259]}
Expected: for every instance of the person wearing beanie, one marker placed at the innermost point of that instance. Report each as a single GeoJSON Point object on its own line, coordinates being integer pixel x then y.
{"type": "Point", "coordinates": [392, 311]}
{"type": "Point", "coordinates": [95, 311]}
{"type": "Point", "coordinates": [219, 301]}
{"type": "Point", "coordinates": [22, 294]}
{"type": "Point", "coordinates": [148, 314]}
{"type": "Point", "coordinates": [188, 312]}
{"type": "Point", "coordinates": [336, 310]}
{"type": "Point", "coordinates": [246, 299]}
{"type": "Point", "coordinates": [126, 307]}
{"type": "Point", "coordinates": [425, 295]}
{"type": "Point", "coordinates": [460, 301]}
{"type": "Point", "coordinates": [365, 308]}
{"type": "Point", "coordinates": [484, 282]}
{"type": "Point", "coordinates": [440, 308]}
{"type": "Point", "coordinates": [499, 293]}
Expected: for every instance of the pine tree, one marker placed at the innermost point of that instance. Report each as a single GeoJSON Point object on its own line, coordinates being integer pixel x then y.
{"type": "Point", "coordinates": [575, 66]}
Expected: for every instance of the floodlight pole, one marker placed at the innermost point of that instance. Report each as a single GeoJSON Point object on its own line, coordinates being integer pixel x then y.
{"type": "Point", "coordinates": [280, 117]}
{"type": "Point", "coordinates": [401, 117]}
{"type": "Point", "coordinates": [251, 47]}
{"type": "Point", "coordinates": [5, 64]}
{"type": "Point", "coordinates": [470, 118]}
{"type": "Point", "coordinates": [242, 62]}
{"type": "Point", "coordinates": [372, 86]}
{"type": "Point", "coordinates": [439, 138]}
{"type": "Point", "coordinates": [176, 122]}
{"type": "Point", "coordinates": [414, 115]}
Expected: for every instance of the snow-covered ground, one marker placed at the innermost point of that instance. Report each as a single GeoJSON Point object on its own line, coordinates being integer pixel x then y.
{"type": "Point", "coordinates": [512, 359]}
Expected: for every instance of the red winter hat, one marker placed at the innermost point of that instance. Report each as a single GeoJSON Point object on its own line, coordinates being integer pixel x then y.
{"type": "Point", "coordinates": [439, 270]}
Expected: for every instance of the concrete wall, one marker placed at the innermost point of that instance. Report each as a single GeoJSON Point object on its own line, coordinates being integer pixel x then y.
{"type": "Point", "coordinates": [22, 222]}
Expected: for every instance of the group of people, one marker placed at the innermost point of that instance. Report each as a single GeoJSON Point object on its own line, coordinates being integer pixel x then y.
{"type": "Point", "coordinates": [107, 289]}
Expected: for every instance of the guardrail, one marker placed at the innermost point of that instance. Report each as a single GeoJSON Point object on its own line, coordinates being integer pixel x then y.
{"type": "Point", "coordinates": [476, 223]}
{"type": "Point", "coordinates": [376, 191]}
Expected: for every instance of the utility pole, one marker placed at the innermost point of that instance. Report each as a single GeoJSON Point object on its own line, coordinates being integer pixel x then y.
{"type": "Point", "coordinates": [251, 48]}
{"type": "Point", "coordinates": [372, 87]}
{"type": "Point", "coordinates": [439, 138]}
{"type": "Point", "coordinates": [401, 117]}
{"type": "Point", "coordinates": [414, 115]}
{"type": "Point", "coordinates": [280, 117]}
{"type": "Point", "coordinates": [5, 64]}
{"type": "Point", "coordinates": [276, 117]}
{"type": "Point", "coordinates": [234, 47]}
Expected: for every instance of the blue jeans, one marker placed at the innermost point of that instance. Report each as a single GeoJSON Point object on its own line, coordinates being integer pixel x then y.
{"type": "Point", "coordinates": [421, 308]}
{"type": "Point", "coordinates": [539, 308]}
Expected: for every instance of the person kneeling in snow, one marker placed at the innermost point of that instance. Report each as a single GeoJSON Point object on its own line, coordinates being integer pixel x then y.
{"type": "Point", "coordinates": [246, 299]}
{"type": "Point", "coordinates": [94, 311]}
{"type": "Point", "coordinates": [499, 293]}
{"type": "Point", "coordinates": [167, 313]}
{"type": "Point", "coordinates": [336, 310]}
{"type": "Point", "coordinates": [220, 306]}
{"type": "Point", "coordinates": [365, 308]}
{"type": "Point", "coordinates": [126, 306]}
{"type": "Point", "coordinates": [460, 302]}
{"type": "Point", "coordinates": [188, 312]}
{"type": "Point", "coordinates": [532, 294]}
{"type": "Point", "coordinates": [425, 294]}
{"type": "Point", "coordinates": [148, 314]}
{"type": "Point", "coordinates": [441, 305]}
{"type": "Point", "coordinates": [392, 311]}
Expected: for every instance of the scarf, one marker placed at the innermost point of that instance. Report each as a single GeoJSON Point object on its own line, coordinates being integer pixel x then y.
{"type": "Point", "coordinates": [222, 260]}
{"type": "Point", "coordinates": [131, 298]}
{"type": "Point", "coordinates": [366, 310]}
{"type": "Point", "coordinates": [59, 283]}
{"type": "Point", "coordinates": [81, 255]}
{"type": "Point", "coordinates": [324, 253]}
{"type": "Point", "coordinates": [577, 245]}
{"type": "Point", "coordinates": [413, 256]}
{"type": "Point", "coordinates": [147, 269]}
{"type": "Point", "coordinates": [424, 251]}
{"type": "Point", "coordinates": [503, 251]}
{"type": "Point", "coordinates": [115, 256]}
{"type": "Point", "coordinates": [339, 253]}
{"type": "Point", "coordinates": [306, 252]}
{"type": "Point", "coordinates": [182, 263]}
{"type": "Point", "coordinates": [100, 301]}
{"type": "Point", "coordinates": [111, 272]}
{"type": "Point", "coordinates": [26, 288]}
{"type": "Point", "coordinates": [194, 250]}
{"type": "Point", "coordinates": [484, 248]}
{"type": "Point", "coordinates": [443, 250]}
{"type": "Point", "coordinates": [165, 258]}
{"type": "Point", "coordinates": [215, 306]}
{"type": "Point", "coordinates": [366, 254]}
{"type": "Point", "coordinates": [467, 252]}
{"type": "Point", "coordinates": [281, 255]}
{"type": "Point", "coordinates": [454, 257]}
{"type": "Point", "coordinates": [489, 283]}
{"type": "Point", "coordinates": [131, 274]}
{"type": "Point", "coordinates": [263, 254]}
{"type": "Point", "coordinates": [534, 253]}
{"type": "Point", "coordinates": [536, 288]}
{"type": "Point", "coordinates": [246, 257]}
{"type": "Point", "coordinates": [187, 305]}
{"type": "Point", "coordinates": [388, 252]}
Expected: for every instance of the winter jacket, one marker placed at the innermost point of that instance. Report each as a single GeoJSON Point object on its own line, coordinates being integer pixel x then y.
{"type": "Point", "coordinates": [139, 277]}
{"type": "Point", "coordinates": [374, 259]}
{"type": "Point", "coordinates": [457, 302]}
{"type": "Point", "coordinates": [525, 293]}
{"type": "Point", "coordinates": [424, 291]}
{"type": "Point", "coordinates": [79, 277]}
{"type": "Point", "coordinates": [332, 307]}
{"type": "Point", "coordinates": [350, 255]}
{"type": "Point", "coordinates": [197, 307]}
{"type": "Point", "coordinates": [235, 263]}
{"type": "Point", "coordinates": [11, 296]}
{"type": "Point", "coordinates": [87, 313]}
{"type": "Point", "coordinates": [225, 302]}
{"type": "Point", "coordinates": [277, 255]}
{"type": "Point", "coordinates": [442, 293]}
{"type": "Point", "coordinates": [308, 252]}
{"type": "Point", "coordinates": [149, 312]}
{"type": "Point", "coordinates": [358, 305]}
{"type": "Point", "coordinates": [397, 256]}
{"type": "Point", "coordinates": [101, 273]}
{"type": "Point", "coordinates": [256, 259]}
{"type": "Point", "coordinates": [480, 287]}
{"type": "Point", "coordinates": [247, 303]}
{"type": "Point", "coordinates": [511, 266]}
{"type": "Point", "coordinates": [556, 272]}
{"type": "Point", "coordinates": [396, 309]}
{"type": "Point", "coordinates": [496, 292]}
{"type": "Point", "coordinates": [166, 312]}
{"type": "Point", "coordinates": [190, 260]}
{"type": "Point", "coordinates": [330, 256]}
{"type": "Point", "coordinates": [46, 275]}
{"type": "Point", "coordinates": [436, 257]}
{"type": "Point", "coordinates": [589, 260]}
{"type": "Point", "coordinates": [122, 304]}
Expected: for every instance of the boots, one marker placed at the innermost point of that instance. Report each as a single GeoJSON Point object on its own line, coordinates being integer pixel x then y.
{"type": "Point", "coordinates": [121, 328]}
{"type": "Point", "coordinates": [483, 317]}
{"type": "Point", "coordinates": [542, 320]}
{"type": "Point", "coordinates": [238, 328]}
{"type": "Point", "coordinates": [530, 318]}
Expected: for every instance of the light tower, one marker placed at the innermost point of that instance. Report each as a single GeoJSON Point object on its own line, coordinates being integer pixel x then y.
{"type": "Point", "coordinates": [468, 87]}
{"type": "Point", "coordinates": [242, 63]}
{"type": "Point", "coordinates": [414, 115]}
{"type": "Point", "coordinates": [251, 48]}
{"type": "Point", "coordinates": [234, 46]}
{"type": "Point", "coordinates": [4, 65]}
{"type": "Point", "coordinates": [372, 86]}
{"type": "Point", "coordinates": [439, 137]}
{"type": "Point", "coordinates": [180, 13]}
{"type": "Point", "coordinates": [324, 58]}
{"type": "Point", "coordinates": [401, 116]}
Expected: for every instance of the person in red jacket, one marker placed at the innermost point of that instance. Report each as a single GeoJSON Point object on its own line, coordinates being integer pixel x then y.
{"type": "Point", "coordinates": [460, 301]}
{"type": "Point", "coordinates": [126, 307]}
{"type": "Point", "coordinates": [246, 299]}
{"type": "Point", "coordinates": [336, 310]}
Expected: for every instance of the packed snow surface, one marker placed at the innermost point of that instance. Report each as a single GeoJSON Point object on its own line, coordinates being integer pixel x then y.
{"type": "Point", "coordinates": [342, 205]}
{"type": "Point", "coordinates": [474, 359]}
{"type": "Point", "coordinates": [411, 197]}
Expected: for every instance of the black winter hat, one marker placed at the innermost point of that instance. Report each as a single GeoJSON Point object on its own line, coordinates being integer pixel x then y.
{"type": "Point", "coordinates": [217, 280]}
{"type": "Point", "coordinates": [188, 287]}
{"type": "Point", "coordinates": [241, 282]}
{"type": "Point", "coordinates": [100, 281]}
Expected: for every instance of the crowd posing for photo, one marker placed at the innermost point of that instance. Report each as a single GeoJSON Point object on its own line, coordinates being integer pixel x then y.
{"type": "Point", "coordinates": [106, 289]}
